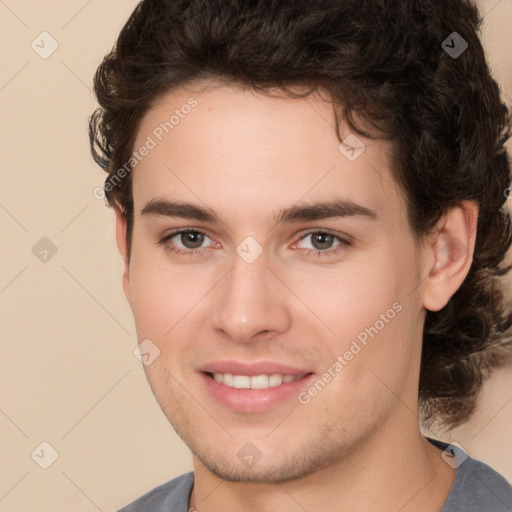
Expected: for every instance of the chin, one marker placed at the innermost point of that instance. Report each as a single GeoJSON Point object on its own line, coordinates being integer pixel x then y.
{"type": "Point", "coordinates": [268, 468]}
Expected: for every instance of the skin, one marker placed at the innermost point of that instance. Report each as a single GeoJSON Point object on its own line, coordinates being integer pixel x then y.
{"type": "Point", "coordinates": [357, 444]}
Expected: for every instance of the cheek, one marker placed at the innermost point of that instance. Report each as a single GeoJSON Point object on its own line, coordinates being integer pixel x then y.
{"type": "Point", "coordinates": [161, 295]}
{"type": "Point", "coordinates": [353, 297]}
{"type": "Point", "coordinates": [371, 317]}
{"type": "Point", "coordinates": [377, 332]}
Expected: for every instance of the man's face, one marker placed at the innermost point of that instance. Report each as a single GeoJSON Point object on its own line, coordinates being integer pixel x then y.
{"type": "Point", "coordinates": [254, 297]}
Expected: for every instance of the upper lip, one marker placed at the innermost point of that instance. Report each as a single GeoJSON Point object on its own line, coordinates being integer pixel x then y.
{"type": "Point", "coordinates": [252, 369]}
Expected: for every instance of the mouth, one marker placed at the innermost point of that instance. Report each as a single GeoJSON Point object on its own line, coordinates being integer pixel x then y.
{"type": "Point", "coordinates": [263, 381]}
{"type": "Point", "coordinates": [255, 393]}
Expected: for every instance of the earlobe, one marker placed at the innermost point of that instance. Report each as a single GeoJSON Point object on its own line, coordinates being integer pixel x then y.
{"type": "Point", "coordinates": [452, 249]}
{"type": "Point", "coordinates": [121, 226]}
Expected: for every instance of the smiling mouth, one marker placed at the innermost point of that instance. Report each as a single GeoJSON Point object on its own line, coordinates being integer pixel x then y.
{"type": "Point", "coordinates": [263, 381]}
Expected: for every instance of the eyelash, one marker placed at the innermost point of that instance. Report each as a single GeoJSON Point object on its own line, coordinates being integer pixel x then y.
{"type": "Point", "coordinates": [344, 243]}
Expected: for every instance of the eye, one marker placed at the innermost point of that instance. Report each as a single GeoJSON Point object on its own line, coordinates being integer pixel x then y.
{"type": "Point", "coordinates": [190, 240]}
{"type": "Point", "coordinates": [189, 243]}
{"type": "Point", "coordinates": [322, 242]}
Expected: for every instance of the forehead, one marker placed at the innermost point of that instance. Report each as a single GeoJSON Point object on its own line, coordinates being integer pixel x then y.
{"type": "Point", "coordinates": [236, 148]}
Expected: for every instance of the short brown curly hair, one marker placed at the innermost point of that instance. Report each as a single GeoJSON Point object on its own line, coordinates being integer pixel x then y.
{"type": "Point", "coordinates": [384, 61]}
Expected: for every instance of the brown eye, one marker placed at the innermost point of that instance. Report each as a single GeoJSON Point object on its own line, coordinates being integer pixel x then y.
{"type": "Point", "coordinates": [191, 239]}
{"type": "Point", "coordinates": [322, 240]}
{"type": "Point", "coordinates": [185, 242]}
{"type": "Point", "coordinates": [322, 243]}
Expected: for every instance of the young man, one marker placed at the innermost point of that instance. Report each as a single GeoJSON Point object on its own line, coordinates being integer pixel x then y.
{"type": "Point", "coordinates": [311, 208]}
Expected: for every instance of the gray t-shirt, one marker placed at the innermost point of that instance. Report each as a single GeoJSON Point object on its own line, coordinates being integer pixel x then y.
{"type": "Point", "coordinates": [476, 488]}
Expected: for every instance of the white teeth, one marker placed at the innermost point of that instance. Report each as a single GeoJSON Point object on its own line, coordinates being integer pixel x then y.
{"type": "Point", "coordinates": [241, 381]}
{"type": "Point", "coordinates": [275, 380]}
{"type": "Point", "coordinates": [259, 382]}
{"type": "Point", "coordinates": [254, 382]}
{"type": "Point", "coordinates": [228, 379]}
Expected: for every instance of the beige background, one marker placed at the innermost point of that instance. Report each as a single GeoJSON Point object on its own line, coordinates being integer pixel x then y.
{"type": "Point", "coordinates": [68, 374]}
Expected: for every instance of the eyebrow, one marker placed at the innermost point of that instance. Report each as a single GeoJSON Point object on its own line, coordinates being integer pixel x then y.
{"type": "Point", "coordinates": [337, 208]}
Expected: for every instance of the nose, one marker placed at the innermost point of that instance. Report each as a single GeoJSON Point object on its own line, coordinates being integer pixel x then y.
{"type": "Point", "coordinates": [251, 302]}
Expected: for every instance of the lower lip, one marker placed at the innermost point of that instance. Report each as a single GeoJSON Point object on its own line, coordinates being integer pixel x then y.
{"type": "Point", "coordinates": [254, 400]}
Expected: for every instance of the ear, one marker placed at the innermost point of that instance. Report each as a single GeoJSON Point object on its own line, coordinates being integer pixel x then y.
{"type": "Point", "coordinates": [122, 247]}
{"type": "Point", "coordinates": [448, 255]}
